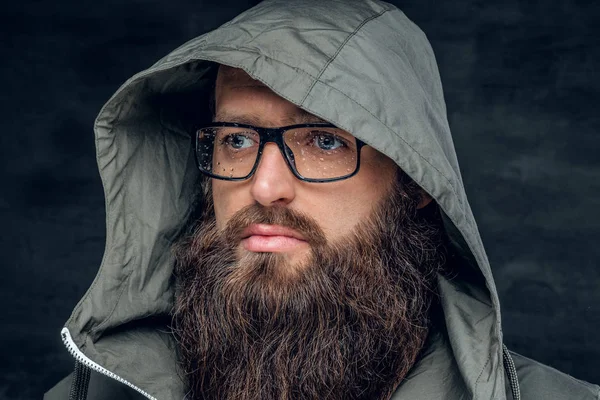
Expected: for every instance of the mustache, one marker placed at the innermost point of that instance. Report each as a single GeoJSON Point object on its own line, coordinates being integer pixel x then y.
{"type": "Point", "coordinates": [274, 215]}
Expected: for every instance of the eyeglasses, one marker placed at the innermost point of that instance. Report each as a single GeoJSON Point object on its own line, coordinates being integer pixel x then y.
{"type": "Point", "coordinates": [313, 152]}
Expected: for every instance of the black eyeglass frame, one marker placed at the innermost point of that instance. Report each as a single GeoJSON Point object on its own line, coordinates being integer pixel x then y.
{"type": "Point", "coordinates": [273, 135]}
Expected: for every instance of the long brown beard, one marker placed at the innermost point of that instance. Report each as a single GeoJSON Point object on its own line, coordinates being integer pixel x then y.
{"type": "Point", "coordinates": [347, 325]}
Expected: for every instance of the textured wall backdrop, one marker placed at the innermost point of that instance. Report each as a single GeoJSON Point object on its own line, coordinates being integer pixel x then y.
{"type": "Point", "coordinates": [522, 86]}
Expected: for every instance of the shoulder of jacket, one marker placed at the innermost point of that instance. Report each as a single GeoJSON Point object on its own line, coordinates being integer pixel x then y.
{"type": "Point", "coordinates": [100, 387]}
{"type": "Point", "coordinates": [539, 381]}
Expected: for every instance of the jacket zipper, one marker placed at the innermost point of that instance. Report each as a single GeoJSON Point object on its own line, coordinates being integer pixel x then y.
{"type": "Point", "coordinates": [85, 361]}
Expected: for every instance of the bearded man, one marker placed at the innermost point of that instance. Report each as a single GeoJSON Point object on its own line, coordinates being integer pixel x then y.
{"type": "Point", "coordinates": [314, 242]}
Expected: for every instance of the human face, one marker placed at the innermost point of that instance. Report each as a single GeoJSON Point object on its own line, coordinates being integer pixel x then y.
{"type": "Point", "coordinates": [337, 206]}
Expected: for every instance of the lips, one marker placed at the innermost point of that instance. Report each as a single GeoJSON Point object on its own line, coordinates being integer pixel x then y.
{"type": "Point", "coordinates": [271, 238]}
{"type": "Point", "coordinates": [270, 230]}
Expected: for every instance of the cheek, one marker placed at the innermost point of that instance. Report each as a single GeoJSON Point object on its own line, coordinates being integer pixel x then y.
{"type": "Point", "coordinates": [373, 183]}
{"type": "Point", "coordinates": [227, 199]}
{"type": "Point", "coordinates": [218, 204]}
{"type": "Point", "coordinates": [379, 174]}
{"type": "Point", "coordinates": [343, 206]}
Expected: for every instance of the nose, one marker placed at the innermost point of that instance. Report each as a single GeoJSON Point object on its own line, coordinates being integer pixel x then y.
{"type": "Point", "coordinates": [273, 183]}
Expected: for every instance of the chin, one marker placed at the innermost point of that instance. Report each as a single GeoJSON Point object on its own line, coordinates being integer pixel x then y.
{"type": "Point", "coordinates": [286, 264]}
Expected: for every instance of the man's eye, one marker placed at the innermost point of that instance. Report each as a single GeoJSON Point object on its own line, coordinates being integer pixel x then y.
{"type": "Point", "coordinates": [238, 141]}
{"type": "Point", "coordinates": [327, 141]}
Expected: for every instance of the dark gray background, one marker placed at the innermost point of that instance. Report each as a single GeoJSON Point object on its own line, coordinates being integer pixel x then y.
{"type": "Point", "coordinates": [522, 86]}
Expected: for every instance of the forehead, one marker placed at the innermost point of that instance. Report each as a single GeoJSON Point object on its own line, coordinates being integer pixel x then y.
{"type": "Point", "coordinates": [235, 78]}
{"type": "Point", "coordinates": [250, 101]}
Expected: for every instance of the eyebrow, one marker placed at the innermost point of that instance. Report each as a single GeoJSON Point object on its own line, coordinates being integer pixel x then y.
{"type": "Point", "coordinates": [303, 117]}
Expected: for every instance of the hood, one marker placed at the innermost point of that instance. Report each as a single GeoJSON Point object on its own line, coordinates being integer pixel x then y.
{"type": "Point", "coordinates": [363, 66]}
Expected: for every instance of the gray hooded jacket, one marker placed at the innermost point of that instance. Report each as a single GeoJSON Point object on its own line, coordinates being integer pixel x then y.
{"type": "Point", "coordinates": [363, 66]}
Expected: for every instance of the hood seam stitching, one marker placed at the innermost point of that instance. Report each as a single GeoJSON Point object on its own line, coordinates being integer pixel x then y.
{"type": "Point", "coordinates": [339, 49]}
{"type": "Point", "coordinates": [487, 361]}
{"type": "Point", "coordinates": [486, 316]}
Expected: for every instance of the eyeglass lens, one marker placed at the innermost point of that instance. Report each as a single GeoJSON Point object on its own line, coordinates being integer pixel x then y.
{"type": "Point", "coordinates": [314, 152]}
